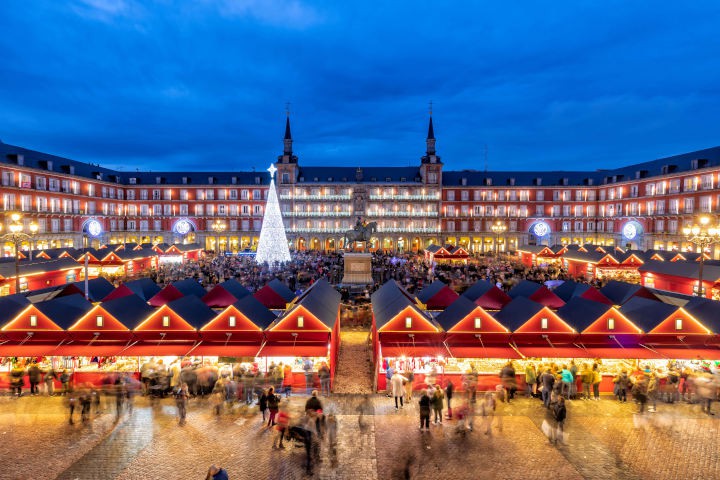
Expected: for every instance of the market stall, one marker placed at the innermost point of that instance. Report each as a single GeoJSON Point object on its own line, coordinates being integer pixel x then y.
{"type": "Point", "coordinates": [405, 336]}
{"type": "Point", "coordinates": [537, 293]}
{"type": "Point", "coordinates": [275, 295]}
{"type": "Point", "coordinates": [309, 330]}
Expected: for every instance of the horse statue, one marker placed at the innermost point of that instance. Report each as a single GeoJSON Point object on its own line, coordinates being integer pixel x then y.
{"type": "Point", "coordinates": [359, 234]}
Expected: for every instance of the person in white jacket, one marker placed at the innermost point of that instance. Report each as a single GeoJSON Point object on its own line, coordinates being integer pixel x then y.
{"type": "Point", "coordinates": [398, 389]}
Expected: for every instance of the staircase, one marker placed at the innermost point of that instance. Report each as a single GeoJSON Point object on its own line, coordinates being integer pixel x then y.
{"type": "Point", "coordinates": [354, 369]}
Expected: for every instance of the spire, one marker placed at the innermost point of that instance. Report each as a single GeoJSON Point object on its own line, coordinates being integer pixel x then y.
{"type": "Point", "coordinates": [287, 140]}
{"type": "Point", "coordinates": [431, 131]}
{"type": "Point", "coordinates": [288, 135]}
{"type": "Point", "coordinates": [430, 141]}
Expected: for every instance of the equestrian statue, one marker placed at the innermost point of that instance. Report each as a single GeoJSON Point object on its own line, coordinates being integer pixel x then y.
{"type": "Point", "coordinates": [361, 233]}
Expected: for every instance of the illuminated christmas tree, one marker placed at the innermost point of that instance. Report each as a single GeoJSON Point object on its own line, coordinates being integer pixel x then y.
{"type": "Point", "coordinates": [273, 244]}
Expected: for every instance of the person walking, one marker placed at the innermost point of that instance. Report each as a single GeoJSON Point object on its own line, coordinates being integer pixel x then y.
{"type": "Point", "coordinates": [181, 402]}
{"type": "Point", "coordinates": [587, 377]}
{"type": "Point", "coordinates": [560, 414]}
{"type": "Point", "coordinates": [530, 378]}
{"type": "Point", "coordinates": [283, 421]}
{"type": "Point", "coordinates": [389, 372]}
{"type": "Point", "coordinates": [50, 378]}
{"type": "Point", "coordinates": [424, 404]}
{"type": "Point", "coordinates": [17, 381]}
{"type": "Point", "coordinates": [398, 389]}
{"type": "Point", "coordinates": [507, 378]}
{"type": "Point", "coordinates": [437, 405]}
{"type": "Point", "coordinates": [287, 380]}
{"type": "Point", "coordinates": [324, 375]}
{"type": "Point", "coordinates": [309, 375]}
{"type": "Point", "coordinates": [216, 473]}
{"type": "Point", "coordinates": [487, 409]}
{"type": "Point", "coordinates": [547, 383]}
{"type": "Point", "coordinates": [35, 377]}
{"type": "Point", "coordinates": [263, 404]}
{"type": "Point", "coordinates": [409, 385]}
{"type": "Point", "coordinates": [449, 389]}
{"type": "Point", "coordinates": [597, 379]}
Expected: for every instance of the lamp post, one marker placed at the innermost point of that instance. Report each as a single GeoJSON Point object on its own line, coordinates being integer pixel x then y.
{"type": "Point", "coordinates": [498, 228]}
{"type": "Point", "coordinates": [16, 234]}
{"type": "Point", "coordinates": [218, 226]}
{"type": "Point", "coordinates": [702, 235]}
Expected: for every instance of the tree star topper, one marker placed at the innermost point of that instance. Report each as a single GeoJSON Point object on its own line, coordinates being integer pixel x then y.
{"type": "Point", "coordinates": [272, 170]}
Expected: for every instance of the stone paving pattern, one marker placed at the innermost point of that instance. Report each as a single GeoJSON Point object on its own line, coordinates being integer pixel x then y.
{"type": "Point", "coordinates": [605, 441]}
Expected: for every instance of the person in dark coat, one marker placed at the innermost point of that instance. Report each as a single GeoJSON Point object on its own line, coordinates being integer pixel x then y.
{"type": "Point", "coordinates": [424, 411]}
{"type": "Point", "coordinates": [560, 413]}
{"type": "Point", "coordinates": [507, 377]}
{"type": "Point", "coordinates": [17, 381]}
{"type": "Point", "coordinates": [35, 377]}
{"type": "Point", "coordinates": [216, 473]}
{"type": "Point", "coordinates": [449, 389]}
{"type": "Point", "coordinates": [263, 403]}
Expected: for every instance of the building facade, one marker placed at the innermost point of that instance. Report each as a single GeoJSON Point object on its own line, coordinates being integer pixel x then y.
{"type": "Point", "coordinates": [642, 206]}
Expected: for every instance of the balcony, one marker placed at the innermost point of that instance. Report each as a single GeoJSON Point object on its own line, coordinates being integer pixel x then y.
{"type": "Point", "coordinates": [328, 198]}
{"type": "Point", "coordinates": [401, 214]}
{"type": "Point", "coordinates": [400, 198]}
{"type": "Point", "coordinates": [316, 214]}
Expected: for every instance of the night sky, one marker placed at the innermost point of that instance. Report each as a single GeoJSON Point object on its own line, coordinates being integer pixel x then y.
{"type": "Point", "coordinates": [202, 85]}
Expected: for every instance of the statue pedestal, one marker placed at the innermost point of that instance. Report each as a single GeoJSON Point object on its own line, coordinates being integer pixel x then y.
{"type": "Point", "coordinates": [358, 269]}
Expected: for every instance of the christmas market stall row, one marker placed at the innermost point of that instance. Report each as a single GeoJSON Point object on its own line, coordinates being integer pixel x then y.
{"type": "Point", "coordinates": [622, 327]}
{"type": "Point", "coordinates": [55, 267]}
{"type": "Point", "coordinates": [180, 325]}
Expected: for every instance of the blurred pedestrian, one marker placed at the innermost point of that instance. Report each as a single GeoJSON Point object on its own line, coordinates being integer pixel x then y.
{"type": "Point", "coordinates": [17, 381]}
{"type": "Point", "coordinates": [50, 378]}
{"type": "Point", "coordinates": [324, 375]}
{"type": "Point", "coordinates": [437, 405]}
{"type": "Point", "coordinates": [487, 410]}
{"type": "Point", "coordinates": [283, 421]}
{"type": "Point", "coordinates": [560, 413]}
{"type": "Point", "coordinates": [409, 384]}
{"type": "Point", "coordinates": [397, 385]}
{"type": "Point", "coordinates": [507, 378]}
{"type": "Point", "coordinates": [597, 379]}
{"type": "Point", "coordinates": [273, 402]}
{"type": "Point", "coordinates": [530, 378]}
{"type": "Point", "coordinates": [449, 389]}
{"type": "Point", "coordinates": [216, 473]}
{"type": "Point", "coordinates": [424, 404]}
{"type": "Point", "coordinates": [263, 404]}
{"type": "Point", "coordinates": [34, 377]}
{"type": "Point", "coordinates": [181, 402]}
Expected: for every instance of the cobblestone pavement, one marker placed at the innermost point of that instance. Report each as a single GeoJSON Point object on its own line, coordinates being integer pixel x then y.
{"type": "Point", "coordinates": [605, 440]}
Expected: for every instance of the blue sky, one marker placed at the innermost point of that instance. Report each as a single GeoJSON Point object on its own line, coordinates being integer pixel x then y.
{"type": "Point", "coordinates": [202, 85]}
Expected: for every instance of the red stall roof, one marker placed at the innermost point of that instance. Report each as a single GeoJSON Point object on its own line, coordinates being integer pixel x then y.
{"type": "Point", "coordinates": [165, 296]}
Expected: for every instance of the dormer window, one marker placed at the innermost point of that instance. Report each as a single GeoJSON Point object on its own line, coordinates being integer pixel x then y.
{"type": "Point", "coordinates": [301, 321]}
{"type": "Point", "coordinates": [478, 323]}
{"type": "Point", "coordinates": [543, 323]}
{"type": "Point", "coordinates": [99, 321]}
{"type": "Point", "coordinates": [678, 324]}
{"type": "Point", "coordinates": [33, 320]}
{"type": "Point", "coordinates": [166, 321]}
{"type": "Point", "coordinates": [408, 322]}
{"type": "Point", "coordinates": [611, 324]}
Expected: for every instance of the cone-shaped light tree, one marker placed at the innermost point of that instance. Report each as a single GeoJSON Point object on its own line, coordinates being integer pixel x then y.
{"type": "Point", "coordinates": [273, 244]}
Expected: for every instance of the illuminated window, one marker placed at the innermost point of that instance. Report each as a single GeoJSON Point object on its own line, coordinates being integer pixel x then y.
{"type": "Point", "coordinates": [301, 321]}
{"type": "Point", "coordinates": [231, 321]}
{"type": "Point", "coordinates": [33, 320]}
{"type": "Point", "coordinates": [611, 324]}
{"type": "Point", "coordinates": [478, 324]}
{"type": "Point", "coordinates": [543, 323]}
{"type": "Point", "coordinates": [408, 322]}
{"type": "Point", "coordinates": [99, 321]}
{"type": "Point", "coordinates": [678, 324]}
{"type": "Point", "coordinates": [166, 320]}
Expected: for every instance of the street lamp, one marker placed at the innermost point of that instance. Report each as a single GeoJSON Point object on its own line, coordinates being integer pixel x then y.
{"type": "Point", "coordinates": [703, 236]}
{"type": "Point", "coordinates": [16, 235]}
{"type": "Point", "coordinates": [498, 228]}
{"type": "Point", "coordinates": [218, 226]}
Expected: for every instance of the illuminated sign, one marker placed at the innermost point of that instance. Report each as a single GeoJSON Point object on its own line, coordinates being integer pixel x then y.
{"type": "Point", "coordinates": [182, 227]}
{"type": "Point", "coordinates": [93, 228]}
{"type": "Point", "coordinates": [540, 229]}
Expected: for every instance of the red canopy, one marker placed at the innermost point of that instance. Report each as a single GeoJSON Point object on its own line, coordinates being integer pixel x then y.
{"type": "Point", "coordinates": [617, 352]}
{"type": "Point", "coordinates": [409, 350]}
{"type": "Point", "coordinates": [294, 351]}
{"type": "Point", "coordinates": [545, 297]}
{"type": "Point", "coordinates": [119, 292]}
{"type": "Point", "coordinates": [484, 352]}
{"type": "Point", "coordinates": [555, 352]}
{"type": "Point", "coordinates": [442, 299]}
